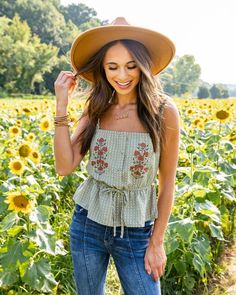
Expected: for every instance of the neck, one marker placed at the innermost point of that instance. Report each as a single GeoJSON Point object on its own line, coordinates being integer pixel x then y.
{"type": "Point", "coordinates": [123, 100]}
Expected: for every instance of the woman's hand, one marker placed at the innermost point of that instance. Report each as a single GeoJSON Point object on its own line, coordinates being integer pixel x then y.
{"type": "Point", "coordinates": [64, 85]}
{"type": "Point", "coordinates": [155, 260]}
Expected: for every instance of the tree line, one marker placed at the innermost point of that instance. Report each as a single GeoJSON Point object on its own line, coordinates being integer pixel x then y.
{"type": "Point", "coordinates": [36, 37]}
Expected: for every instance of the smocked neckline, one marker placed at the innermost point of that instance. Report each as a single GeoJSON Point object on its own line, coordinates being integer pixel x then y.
{"type": "Point", "coordinates": [129, 132]}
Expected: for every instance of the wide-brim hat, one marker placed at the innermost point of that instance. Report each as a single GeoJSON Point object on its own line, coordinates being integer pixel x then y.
{"type": "Point", "coordinates": [160, 47]}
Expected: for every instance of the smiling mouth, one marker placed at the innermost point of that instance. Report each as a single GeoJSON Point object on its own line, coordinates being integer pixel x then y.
{"type": "Point", "coordinates": [124, 84]}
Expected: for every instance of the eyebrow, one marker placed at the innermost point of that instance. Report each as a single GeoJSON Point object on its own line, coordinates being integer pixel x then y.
{"type": "Point", "coordinates": [114, 63]}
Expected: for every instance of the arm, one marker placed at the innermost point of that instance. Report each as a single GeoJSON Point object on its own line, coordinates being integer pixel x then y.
{"type": "Point", "coordinates": [67, 153]}
{"type": "Point", "coordinates": [155, 258]}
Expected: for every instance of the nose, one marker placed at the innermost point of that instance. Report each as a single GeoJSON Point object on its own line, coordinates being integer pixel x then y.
{"type": "Point", "coordinates": [122, 74]}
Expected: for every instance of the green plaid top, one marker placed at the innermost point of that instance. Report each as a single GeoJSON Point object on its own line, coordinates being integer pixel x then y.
{"type": "Point", "coordinates": [120, 189]}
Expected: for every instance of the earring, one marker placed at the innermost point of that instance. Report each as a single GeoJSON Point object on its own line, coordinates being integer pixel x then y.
{"type": "Point", "coordinates": [111, 98]}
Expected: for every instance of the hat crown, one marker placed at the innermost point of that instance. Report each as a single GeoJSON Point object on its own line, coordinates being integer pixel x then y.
{"type": "Point", "coordinates": [120, 21]}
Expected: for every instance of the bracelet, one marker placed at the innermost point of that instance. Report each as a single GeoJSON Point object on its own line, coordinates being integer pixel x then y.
{"type": "Point", "coordinates": [62, 120]}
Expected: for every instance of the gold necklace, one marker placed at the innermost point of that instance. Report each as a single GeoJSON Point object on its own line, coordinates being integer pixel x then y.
{"type": "Point", "coordinates": [123, 115]}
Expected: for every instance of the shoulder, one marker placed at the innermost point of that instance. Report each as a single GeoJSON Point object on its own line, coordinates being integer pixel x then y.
{"type": "Point", "coordinates": [171, 115]}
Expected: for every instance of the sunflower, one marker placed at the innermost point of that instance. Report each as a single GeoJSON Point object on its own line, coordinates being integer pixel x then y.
{"type": "Point", "coordinates": [26, 111]}
{"type": "Point", "coordinates": [31, 136]}
{"type": "Point", "coordinates": [14, 131]}
{"type": "Point", "coordinates": [232, 137]}
{"type": "Point", "coordinates": [18, 202]}
{"type": "Point", "coordinates": [222, 115]}
{"type": "Point", "coordinates": [24, 150]}
{"type": "Point", "coordinates": [35, 156]}
{"type": "Point", "coordinates": [18, 122]}
{"type": "Point", "coordinates": [17, 167]}
{"type": "Point", "coordinates": [9, 152]}
{"type": "Point", "coordinates": [44, 124]}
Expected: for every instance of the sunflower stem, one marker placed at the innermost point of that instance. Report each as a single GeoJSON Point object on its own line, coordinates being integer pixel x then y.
{"type": "Point", "coordinates": [218, 147]}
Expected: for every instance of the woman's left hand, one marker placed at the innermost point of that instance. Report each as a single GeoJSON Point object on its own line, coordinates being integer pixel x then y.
{"type": "Point", "coordinates": [155, 260]}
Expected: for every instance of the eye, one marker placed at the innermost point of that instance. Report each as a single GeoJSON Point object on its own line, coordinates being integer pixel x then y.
{"type": "Point", "coordinates": [133, 67]}
{"type": "Point", "coordinates": [112, 69]}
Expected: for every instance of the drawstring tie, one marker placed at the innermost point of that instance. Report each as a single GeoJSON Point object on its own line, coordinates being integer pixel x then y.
{"type": "Point", "coordinates": [116, 193]}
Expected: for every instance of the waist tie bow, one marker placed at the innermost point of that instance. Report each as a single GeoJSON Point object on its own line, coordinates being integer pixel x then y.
{"type": "Point", "coordinates": [116, 193]}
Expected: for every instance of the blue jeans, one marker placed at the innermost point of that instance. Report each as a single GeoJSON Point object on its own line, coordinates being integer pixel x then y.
{"type": "Point", "coordinates": [93, 243]}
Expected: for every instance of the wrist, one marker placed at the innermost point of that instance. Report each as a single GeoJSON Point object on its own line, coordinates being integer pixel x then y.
{"type": "Point", "coordinates": [155, 242]}
{"type": "Point", "coordinates": [61, 110]}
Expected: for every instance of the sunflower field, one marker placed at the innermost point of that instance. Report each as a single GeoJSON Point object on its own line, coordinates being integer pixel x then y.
{"type": "Point", "coordinates": [36, 204]}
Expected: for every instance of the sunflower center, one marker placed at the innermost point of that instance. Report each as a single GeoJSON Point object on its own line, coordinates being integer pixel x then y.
{"type": "Point", "coordinates": [222, 115]}
{"type": "Point", "coordinates": [20, 201]}
{"type": "Point", "coordinates": [46, 124]}
{"type": "Point", "coordinates": [26, 110]}
{"type": "Point", "coordinates": [15, 130]}
{"type": "Point", "coordinates": [24, 150]}
{"type": "Point", "coordinates": [35, 155]}
{"type": "Point", "coordinates": [17, 165]}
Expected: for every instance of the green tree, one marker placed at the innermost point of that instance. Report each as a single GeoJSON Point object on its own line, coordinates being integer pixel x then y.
{"type": "Point", "coordinates": [24, 59]}
{"type": "Point", "coordinates": [181, 76]}
{"type": "Point", "coordinates": [44, 19]}
{"type": "Point", "coordinates": [78, 13]}
{"type": "Point", "coordinates": [224, 93]}
{"type": "Point", "coordinates": [186, 74]}
{"type": "Point", "coordinates": [215, 91]}
{"type": "Point", "coordinates": [203, 92]}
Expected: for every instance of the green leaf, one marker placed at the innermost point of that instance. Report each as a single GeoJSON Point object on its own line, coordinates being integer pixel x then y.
{"type": "Point", "coordinates": [45, 239]}
{"type": "Point", "coordinates": [209, 209]}
{"type": "Point", "coordinates": [214, 197]}
{"type": "Point", "coordinates": [8, 221]}
{"type": "Point", "coordinates": [229, 194]}
{"type": "Point", "coordinates": [189, 282]}
{"type": "Point", "coordinates": [8, 278]}
{"type": "Point", "coordinates": [216, 231]}
{"type": "Point", "coordinates": [13, 255]}
{"type": "Point", "coordinates": [60, 248]}
{"type": "Point", "coordinates": [202, 177]}
{"type": "Point", "coordinates": [40, 214]}
{"type": "Point", "coordinates": [171, 244]}
{"type": "Point", "coordinates": [31, 179]}
{"type": "Point", "coordinates": [201, 245]}
{"type": "Point", "coordinates": [180, 266]}
{"type": "Point", "coordinates": [38, 275]}
{"type": "Point", "coordinates": [15, 230]}
{"type": "Point", "coordinates": [199, 265]}
{"type": "Point", "coordinates": [184, 228]}
{"type": "Point", "coordinates": [3, 205]}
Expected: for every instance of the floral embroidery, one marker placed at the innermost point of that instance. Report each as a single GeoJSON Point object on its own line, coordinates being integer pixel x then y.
{"type": "Point", "coordinates": [140, 160]}
{"type": "Point", "coordinates": [99, 155]}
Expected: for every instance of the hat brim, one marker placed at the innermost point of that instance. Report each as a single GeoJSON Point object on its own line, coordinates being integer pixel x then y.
{"type": "Point", "coordinates": [160, 47]}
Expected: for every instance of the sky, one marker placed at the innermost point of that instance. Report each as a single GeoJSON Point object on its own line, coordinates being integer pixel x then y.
{"type": "Point", "coordinates": [205, 29]}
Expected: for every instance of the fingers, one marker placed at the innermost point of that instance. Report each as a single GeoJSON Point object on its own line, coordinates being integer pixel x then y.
{"type": "Point", "coordinates": [147, 267]}
{"type": "Point", "coordinates": [156, 271]}
{"type": "Point", "coordinates": [64, 76]}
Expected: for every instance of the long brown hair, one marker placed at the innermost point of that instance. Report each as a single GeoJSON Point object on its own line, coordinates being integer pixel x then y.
{"type": "Point", "coordinates": [150, 95]}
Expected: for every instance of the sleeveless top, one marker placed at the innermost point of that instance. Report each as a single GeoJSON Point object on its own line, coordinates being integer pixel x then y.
{"type": "Point", "coordinates": [120, 189]}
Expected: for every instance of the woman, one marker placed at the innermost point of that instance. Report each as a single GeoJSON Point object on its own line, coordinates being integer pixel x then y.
{"type": "Point", "coordinates": [131, 129]}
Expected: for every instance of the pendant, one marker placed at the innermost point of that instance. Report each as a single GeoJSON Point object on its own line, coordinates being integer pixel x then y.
{"type": "Point", "coordinates": [123, 116]}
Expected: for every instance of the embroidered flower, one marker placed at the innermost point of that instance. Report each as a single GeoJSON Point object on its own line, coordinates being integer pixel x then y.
{"type": "Point", "coordinates": [140, 160]}
{"type": "Point", "coordinates": [99, 156]}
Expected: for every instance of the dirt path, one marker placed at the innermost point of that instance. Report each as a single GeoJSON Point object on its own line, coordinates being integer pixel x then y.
{"type": "Point", "coordinates": [225, 282]}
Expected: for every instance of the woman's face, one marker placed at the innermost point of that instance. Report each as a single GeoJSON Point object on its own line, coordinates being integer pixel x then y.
{"type": "Point", "coordinates": [121, 70]}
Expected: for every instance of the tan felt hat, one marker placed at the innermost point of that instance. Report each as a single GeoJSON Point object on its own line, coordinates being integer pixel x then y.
{"type": "Point", "coordinates": [161, 48]}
